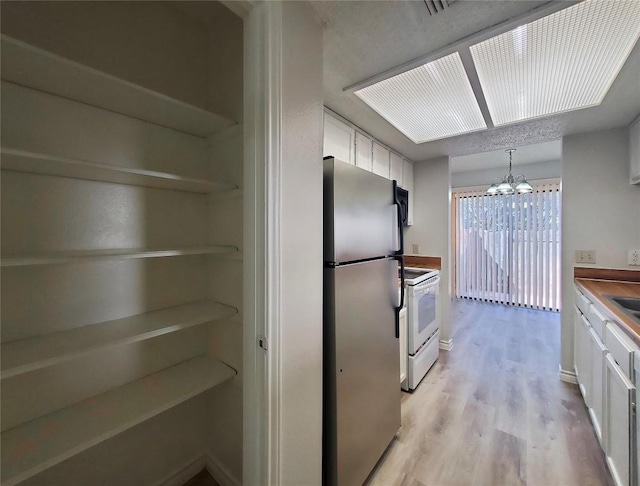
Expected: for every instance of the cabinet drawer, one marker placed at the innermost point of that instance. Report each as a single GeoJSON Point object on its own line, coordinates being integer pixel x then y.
{"type": "Point", "coordinates": [597, 321]}
{"type": "Point", "coordinates": [582, 302]}
{"type": "Point", "coordinates": [621, 348]}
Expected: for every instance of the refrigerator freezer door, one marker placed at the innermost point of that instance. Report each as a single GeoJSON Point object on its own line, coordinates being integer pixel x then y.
{"type": "Point", "coordinates": [360, 218]}
{"type": "Point", "coordinates": [362, 364]}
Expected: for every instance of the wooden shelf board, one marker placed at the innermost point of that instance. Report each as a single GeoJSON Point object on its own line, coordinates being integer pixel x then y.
{"type": "Point", "coordinates": [31, 66]}
{"type": "Point", "coordinates": [118, 254]}
{"type": "Point", "coordinates": [30, 354]}
{"type": "Point", "coordinates": [37, 445]}
{"type": "Point", "coordinates": [23, 161]}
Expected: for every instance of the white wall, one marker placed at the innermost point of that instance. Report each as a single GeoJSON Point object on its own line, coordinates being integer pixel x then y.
{"type": "Point", "coordinates": [484, 177]}
{"type": "Point", "coordinates": [432, 223]}
{"type": "Point", "coordinates": [301, 248]}
{"type": "Point", "coordinates": [599, 209]}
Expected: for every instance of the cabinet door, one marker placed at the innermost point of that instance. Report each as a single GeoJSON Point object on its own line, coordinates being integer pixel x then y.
{"type": "Point", "coordinates": [364, 151]}
{"type": "Point", "coordinates": [339, 139]}
{"type": "Point", "coordinates": [404, 357]}
{"type": "Point", "coordinates": [619, 402]}
{"type": "Point", "coordinates": [380, 160]}
{"type": "Point", "coordinates": [582, 352]}
{"type": "Point", "coordinates": [634, 152]}
{"type": "Point", "coordinates": [396, 163]}
{"type": "Point", "coordinates": [407, 176]}
{"type": "Point", "coordinates": [597, 365]}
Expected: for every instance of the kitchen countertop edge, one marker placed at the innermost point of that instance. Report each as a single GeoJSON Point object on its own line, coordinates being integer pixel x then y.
{"type": "Point", "coordinates": [593, 289]}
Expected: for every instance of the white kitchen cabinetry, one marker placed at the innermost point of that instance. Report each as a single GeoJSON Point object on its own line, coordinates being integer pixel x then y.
{"type": "Point", "coordinates": [604, 366]}
{"type": "Point", "coordinates": [634, 152]}
{"type": "Point", "coordinates": [395, 163]}
{"type": "Point", "coordinates": [364, 151]}
{"type": "Point", "coordinates": [122, 228]}
{"type": "Point", "coordinates": [619, 403]}
{"type": "Point", "coordinates": [380, 160]}
{"type": "Point", "coordinates": [403, 344]}
{"type": "Point", "coordinates": [407, 176]}
{"type": "Point", "coordinates": [582, 350]}
{"type": "Point", "coordinates": [598, 354]}
{"type": "Point", "coordinates": [339, 139]}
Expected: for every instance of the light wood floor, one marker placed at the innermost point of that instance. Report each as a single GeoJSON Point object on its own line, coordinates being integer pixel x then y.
{"type": "Point", "coordinates": [493, 412]}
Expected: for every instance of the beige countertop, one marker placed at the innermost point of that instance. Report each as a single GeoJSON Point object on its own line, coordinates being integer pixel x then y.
{"type": "Point", "coordinates": [597, 291]}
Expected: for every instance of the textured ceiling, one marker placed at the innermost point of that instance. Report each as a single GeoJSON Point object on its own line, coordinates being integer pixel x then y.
{"type": "Point", "coordinates": [365, 38]}
{"type": "Point", "coordinates": [528, 154]}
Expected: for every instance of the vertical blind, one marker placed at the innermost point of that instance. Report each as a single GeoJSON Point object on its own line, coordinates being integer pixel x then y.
{"type": "Point", "coordinates": [507, 247]}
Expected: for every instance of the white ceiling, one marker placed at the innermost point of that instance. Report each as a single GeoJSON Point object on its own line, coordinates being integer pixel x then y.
{"type": "Point", "coordinates": [528, 154]}
{"type": "Point", "coordinates": [365, 38]}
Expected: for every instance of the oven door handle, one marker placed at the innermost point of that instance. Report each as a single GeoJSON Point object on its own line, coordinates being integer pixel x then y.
{"type": "Point", "coordinates": [400, 259]}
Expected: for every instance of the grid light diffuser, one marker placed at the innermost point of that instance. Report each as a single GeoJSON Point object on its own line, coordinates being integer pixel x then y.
{"type": "Point", "coordinates": [429, 102]}
{"type": "Point", "coordinates": [563, 62]}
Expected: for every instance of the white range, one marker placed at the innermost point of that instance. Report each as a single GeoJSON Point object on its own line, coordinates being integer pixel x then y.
{"type": "Point", "coordinates": [423, 333]}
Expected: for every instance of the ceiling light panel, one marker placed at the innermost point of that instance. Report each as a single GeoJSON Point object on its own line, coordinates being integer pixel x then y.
{"type": "Point", "coordinates": [429, 102]}
{"type": "Point", "coordinates": [563, 62]}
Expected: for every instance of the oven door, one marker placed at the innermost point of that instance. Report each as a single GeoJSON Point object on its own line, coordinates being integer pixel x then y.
{"type": "Point", "coordinates": [423, 313]}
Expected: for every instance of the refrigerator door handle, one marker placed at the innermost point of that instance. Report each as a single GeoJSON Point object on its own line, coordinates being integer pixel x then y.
{"type": "Point", "coordinates": [396, 201]}
{"type": "Point", "coordinates": [400, 259]}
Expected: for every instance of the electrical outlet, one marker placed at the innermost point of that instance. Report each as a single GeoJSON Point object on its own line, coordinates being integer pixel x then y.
{"type": "Point", "coordinates": [416, 249]}
{"type": "Point", "coordinates": [585, 256]}
{"type": "Point", "coordinates": [633, 257]}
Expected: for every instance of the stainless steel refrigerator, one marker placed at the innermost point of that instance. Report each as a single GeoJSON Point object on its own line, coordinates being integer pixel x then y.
{"type": "Point", "coordinates": [362, 258]}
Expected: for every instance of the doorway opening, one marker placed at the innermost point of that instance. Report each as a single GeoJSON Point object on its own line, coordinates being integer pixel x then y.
{"type": "Point", "coordinates": [506, 247]}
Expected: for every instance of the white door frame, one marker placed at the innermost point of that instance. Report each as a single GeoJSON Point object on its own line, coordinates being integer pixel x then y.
{"type": "Point", "coordinates": [262, 158]}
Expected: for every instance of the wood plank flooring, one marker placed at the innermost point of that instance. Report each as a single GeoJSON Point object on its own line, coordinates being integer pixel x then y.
{"type": "Point", "coordinates": [493, 411]}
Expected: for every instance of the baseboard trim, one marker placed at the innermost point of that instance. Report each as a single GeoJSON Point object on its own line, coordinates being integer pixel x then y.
{"type": "Point", "coordinates": [220, 473]}
{"type": "Point", "coordinates": [446, 345]}
{"type": "Point", "coordinates": [568, 376]}
{"type": "Point", "coordinates": [182, 474]}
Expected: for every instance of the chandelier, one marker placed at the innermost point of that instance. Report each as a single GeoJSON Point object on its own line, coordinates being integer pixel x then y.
{"type": "Point", "coordinates": [510, 184]}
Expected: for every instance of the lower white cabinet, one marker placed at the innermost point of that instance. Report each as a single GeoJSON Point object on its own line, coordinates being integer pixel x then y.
{"type": "Point", "coordinates": [403, 344]}
{"type": "Point", "coordinates": [620, 441]}
{"type": "Point", "coordinates": [604, 366]}
{"type": "Point", "coordinates": [596, 374]}
{"type": "Point", "coordinates": [582, 354]}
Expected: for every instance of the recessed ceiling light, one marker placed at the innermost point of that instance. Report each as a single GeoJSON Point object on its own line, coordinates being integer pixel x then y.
{"type": "Point", "coordinates": [563, 62]}
{"type": "Point", "coordinates": [429, 102]}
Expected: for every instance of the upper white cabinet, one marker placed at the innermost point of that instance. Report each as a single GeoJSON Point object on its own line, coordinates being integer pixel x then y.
{"type": "Point", "coordinates": [380, 160]}
{"type": "Point", "coordinates": [396, 163]}
{"type": "Point", "coordinates": [364, 151]}
{"type": "Point", "coordinates": [339, 139]}
{"type": "Point", "coordinates": [407, 183]}
{"type": "Point", "coordinates": [634, 152]}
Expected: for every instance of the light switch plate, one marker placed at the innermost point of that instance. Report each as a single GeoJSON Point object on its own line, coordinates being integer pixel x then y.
{"type": "Point", "coordinates": [416, 248]}
{"type": "Point", "coordinates": [585, 256]}
{"type": "Point", "coordinates": [633, 257]}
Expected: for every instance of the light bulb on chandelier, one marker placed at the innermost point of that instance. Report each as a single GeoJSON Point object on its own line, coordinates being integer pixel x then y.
{"type": "Point", "coordinates": [510, 184]}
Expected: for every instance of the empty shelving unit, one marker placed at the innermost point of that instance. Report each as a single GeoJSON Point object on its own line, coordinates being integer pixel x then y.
{"type": "Point", "coordinates": [122, 230]}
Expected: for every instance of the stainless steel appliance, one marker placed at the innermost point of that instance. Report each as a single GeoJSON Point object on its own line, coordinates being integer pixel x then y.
{"type": "Point", "coordinates": [362, 250]}
{"type": "Point", "coordinates": [423, 323]}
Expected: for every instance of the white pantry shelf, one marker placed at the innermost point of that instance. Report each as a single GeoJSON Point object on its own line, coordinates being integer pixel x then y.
{"type": "Point", "coordinates": [37, 352]}
{"type": "Point", "coordinates": [37, 445]}
{"type": "Point", "coordinates": [36, 68]}
{"type": "Point", "coordinates": [117, 254]}
{"type": "Point", "coordinates": [23, 161]}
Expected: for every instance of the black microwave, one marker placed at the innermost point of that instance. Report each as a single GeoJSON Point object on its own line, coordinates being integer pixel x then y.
{"type": "Point", "coordinates": [403, 198]}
